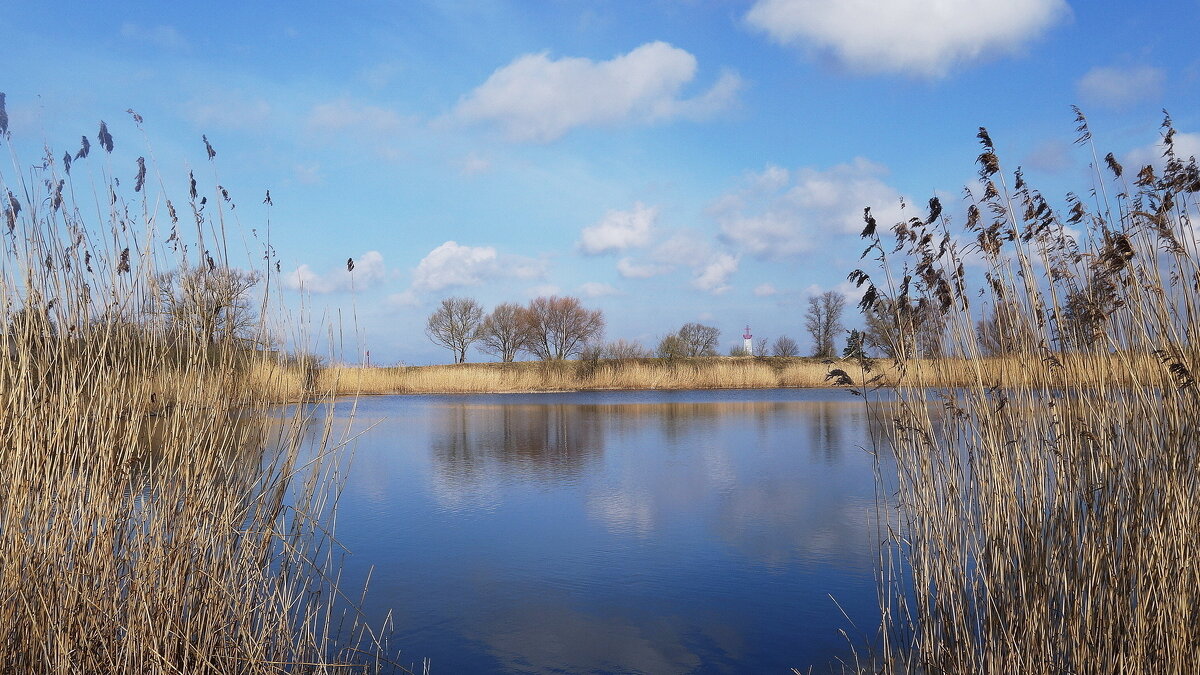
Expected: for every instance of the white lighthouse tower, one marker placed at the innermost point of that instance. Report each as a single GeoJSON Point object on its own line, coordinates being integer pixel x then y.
{"type": "Point", "coordinates": [748, 342]}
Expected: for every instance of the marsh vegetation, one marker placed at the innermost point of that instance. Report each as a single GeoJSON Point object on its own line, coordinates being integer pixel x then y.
{"type": "Point", "coordinates": [153, 517]}
{"type": "Point", "coordinates": [1046, 514]}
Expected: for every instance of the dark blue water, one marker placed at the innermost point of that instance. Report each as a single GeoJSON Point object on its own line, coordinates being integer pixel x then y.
{"type": "Point", "coordinates": [651, 532]}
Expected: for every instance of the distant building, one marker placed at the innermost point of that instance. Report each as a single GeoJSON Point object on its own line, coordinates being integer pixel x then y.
{"type": "Point", "coordinates": [748, 341]}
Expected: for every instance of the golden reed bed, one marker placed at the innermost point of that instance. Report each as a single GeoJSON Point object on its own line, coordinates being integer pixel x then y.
{"type": "Point", "coordinates": [705, 373]}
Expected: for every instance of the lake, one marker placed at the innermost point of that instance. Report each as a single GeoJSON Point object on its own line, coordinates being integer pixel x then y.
{"type": "Point", "coordinates": [630, 532]}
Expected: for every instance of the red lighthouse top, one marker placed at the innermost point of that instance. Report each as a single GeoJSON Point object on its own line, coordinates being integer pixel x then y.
{"type": "Point", "coordinates": [747, 336]}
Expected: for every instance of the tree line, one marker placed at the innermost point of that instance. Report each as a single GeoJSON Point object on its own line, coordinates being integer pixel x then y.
{"type": "Point", "coordinates": [549, 328]}
{"type": "Point", "coordinates": [555, 328]}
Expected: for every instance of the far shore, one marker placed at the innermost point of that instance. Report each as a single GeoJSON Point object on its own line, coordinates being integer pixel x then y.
{"type": "Point", "coordinates": [731, 373]}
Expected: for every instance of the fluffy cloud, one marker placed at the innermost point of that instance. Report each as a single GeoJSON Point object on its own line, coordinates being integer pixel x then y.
{"type": "Point", "coordinates": [619, 230]}
{"type": "Point", "coordinates": [631, 269]}
{"type": "Point", "coordinates": [1118, 87]}
{"type": "Point", "coordinates": [916, 37]}
{"type": "Point", "coordinates": [711, 269]}
{"type": "Point", "coordinates": [596, 289]}
{"type": "Point", "coordinates": [453, 265]}
{"type": "Point", "coordinates": [538, 98]}
{"type": "Point", "coordinates": [713, 275]}
{"type": "Point", "coordinates": [765, 290]}
{"type": "Point", "coordinates": [369, 270]}
{"type": "Point", "coordinates": [1186, 145]}
{"type": "Point", "coordinates": [778, 213]}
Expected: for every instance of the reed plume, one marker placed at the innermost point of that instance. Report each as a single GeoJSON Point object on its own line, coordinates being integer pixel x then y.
{"type": "Point", "coordinates": [1043, 516]}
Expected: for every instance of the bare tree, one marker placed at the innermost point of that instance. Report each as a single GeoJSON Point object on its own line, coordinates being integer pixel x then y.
{"type": "Point", "coordinates": [785, 346]}
{"type": "Point", "coordinates": [692, 339]}
{"type": "Point", "coordinates": [559, 327]}
{"type": "Point", "coordinates": [895, 329]}
{"type": "Point", "coordinates": [620, 350]}
{"type": "Point", "coordinates": [760, 347]}
{"type": "Point", "coordinates": [671, 347]}
{"type": "Point", "coordinates": [823, 321]}
{"type": "Point", "coordinates": [1006, 330]}
{"type": "Point", "coordinates": [1084, 313]}
{"type": "Point", "coordinates": [209, 304]}
{"type": "Point", "coordinates": [503, 332]}
{"type": "Point", "coordinates": [699, 340]}
{"type": "Point", "coordinates": [455, 325]}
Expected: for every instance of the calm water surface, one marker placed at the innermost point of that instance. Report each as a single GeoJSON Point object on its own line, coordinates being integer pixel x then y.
{"type": "Point", "coordinates": [651, 532]}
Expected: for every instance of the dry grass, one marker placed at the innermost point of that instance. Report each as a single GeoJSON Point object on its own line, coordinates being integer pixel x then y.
{"type": "Point", "coordinates": [699, 373]}
{"type": "Point", "coordinates": [1045, 515]}
{"type": "Point", "coordinates": [1083, 370]}
{"type": "Point", "coordinates": [154, 517]}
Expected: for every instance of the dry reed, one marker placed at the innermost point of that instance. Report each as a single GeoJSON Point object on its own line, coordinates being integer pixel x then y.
{"type": "Point", "coordinates": [1045, 514]}
{"type": "Point", "coordinates": [154, 517]}
{"type": "Point", "coordinates": [535, 376]}
{"type": "Point", "coordinates": [695, 373]}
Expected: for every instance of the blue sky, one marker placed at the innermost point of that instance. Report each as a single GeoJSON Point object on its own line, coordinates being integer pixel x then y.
{"type": "Point", "coordinates": [666, 161]}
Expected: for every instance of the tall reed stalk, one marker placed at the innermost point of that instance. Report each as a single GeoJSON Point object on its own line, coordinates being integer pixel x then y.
{"type": "Point", "coordinates": [156, 516]}
{"type": "Point", "coordinates": [1050, 527]}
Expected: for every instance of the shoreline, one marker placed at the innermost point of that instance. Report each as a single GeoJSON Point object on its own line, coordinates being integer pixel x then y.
{"type": "Point", "coordinates": [715, 373]}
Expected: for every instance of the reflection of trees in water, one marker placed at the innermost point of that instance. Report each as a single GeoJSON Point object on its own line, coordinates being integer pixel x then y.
{"type": "Point", "coordinates": [825, 422]}
{"type": "Point", "coordinates": [559, 439]}
{"type": "Point", "coordinates": [545, 440]}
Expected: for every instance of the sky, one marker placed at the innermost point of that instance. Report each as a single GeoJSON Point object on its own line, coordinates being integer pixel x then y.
{"type": "Point", "coordinates": [665, 161]}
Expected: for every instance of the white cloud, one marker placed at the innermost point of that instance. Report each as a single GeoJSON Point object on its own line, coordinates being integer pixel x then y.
{"type": "Point", "coordinates": [1186, 145]}
{"type": "Point", "coordinates": [166, 37]}
{"type": "Point", "coordinates": [765, 290]}
{"type": "Point", "coordinates": [369, 270]}
{"type": "Point", "coordinates": [916, 37]}
{"type": "Point", "coordinates": [619, 230]}
{"type": "Point", "coordinates": [713, 275]}
{"type": "Point", "coordinates": [1116, 87]}
{"type": "Point", "coordinates": [538, 98]}
{"type": "Point", "coordinates": [711, 268]}
{"type": "Point", "coordinates": [596, 289]}
{"type": "Point", "coordinates": [631, 269]}
{"type": "Point", "coordinates": [453, 265]}
{"type": "Point", "coordinates": [778, 213]}
{"type": "Point", "coordinates": [853, 293]}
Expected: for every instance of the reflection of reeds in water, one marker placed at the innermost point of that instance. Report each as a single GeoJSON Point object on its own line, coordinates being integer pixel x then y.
{"type": "Point", "coordinates": [1048, 512]}
{"type": "Point", "coordinates": [151, 521]}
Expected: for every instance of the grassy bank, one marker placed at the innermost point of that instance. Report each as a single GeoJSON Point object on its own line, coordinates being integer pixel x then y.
{"type": "Point", "coordinates": [534, 376]}
{"type": "Point", "coordinates": [1088, 371]}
